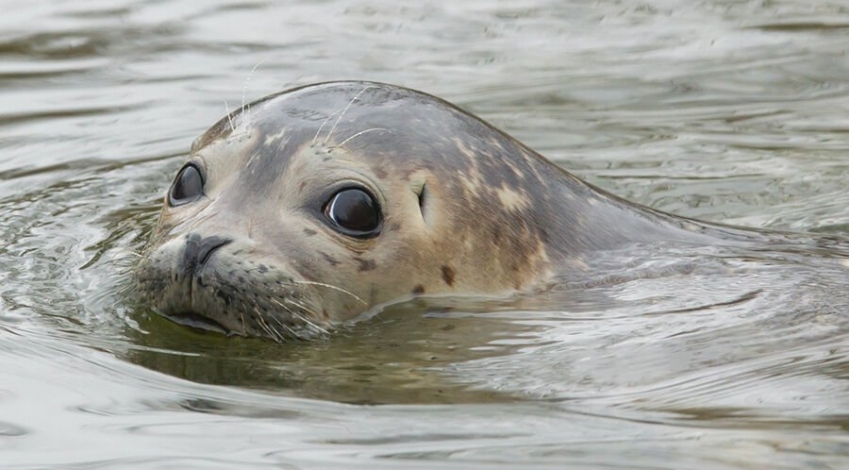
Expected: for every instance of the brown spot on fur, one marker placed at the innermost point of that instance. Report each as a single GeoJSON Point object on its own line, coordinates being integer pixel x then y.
{"type": "Point", "coordinates": [333, 261]}
{"type": "Point", "coordinates": [301, 186]}
{"type": "Point", "coordinates": [394, 226]}
{"type": "Point", "coordinates": [309, 232]}
{"type": "Point", "coordinates": [366, 264]}
{"type": "Point", "coordinates": [448, 275]}
{"type": "Point", "coordinates": [419, 289]}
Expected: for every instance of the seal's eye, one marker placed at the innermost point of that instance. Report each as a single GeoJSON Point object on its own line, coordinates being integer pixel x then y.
{"type": "Point", "coordinates": [354, 212]}
{"type": "Point", "coordinates": [187, 187]}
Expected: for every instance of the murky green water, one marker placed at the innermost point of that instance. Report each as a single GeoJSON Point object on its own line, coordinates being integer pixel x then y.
{"type": "Point", "coordinates": [732, 111]}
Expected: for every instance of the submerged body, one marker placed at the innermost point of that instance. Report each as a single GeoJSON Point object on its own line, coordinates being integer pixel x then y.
{"type": "Point", "coordinates": [317, 204]}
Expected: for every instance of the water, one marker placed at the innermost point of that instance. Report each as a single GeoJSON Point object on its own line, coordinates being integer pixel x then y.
{"type": "Point", "coordinates": [729, 111]}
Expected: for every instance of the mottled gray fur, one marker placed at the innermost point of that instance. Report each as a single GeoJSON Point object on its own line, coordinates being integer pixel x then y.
{"type": "Point", "coordinates": [467, 209]}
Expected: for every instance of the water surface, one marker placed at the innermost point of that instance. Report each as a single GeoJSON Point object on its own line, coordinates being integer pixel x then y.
{"type": "Point", "coordinates": [729, 111]}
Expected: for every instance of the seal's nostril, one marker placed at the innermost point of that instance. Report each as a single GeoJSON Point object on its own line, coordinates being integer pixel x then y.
{"type": "Point", "coordinates": [208, 246]}
{"type": "Point", "coordinates": [198, 250]}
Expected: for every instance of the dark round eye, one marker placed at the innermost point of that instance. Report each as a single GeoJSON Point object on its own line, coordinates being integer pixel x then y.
{"type": "Point", "coordinates": [187, 187]}
{"type": "Point", "coordinates": [354, 212]}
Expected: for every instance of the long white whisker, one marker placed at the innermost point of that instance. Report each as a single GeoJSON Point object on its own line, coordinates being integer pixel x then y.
{"type": "Point", "coordinates": [229, 118]}
{"type": "Point", "coordinates": [127, 252]}
{"type": "Point", "coordinates": [361, 133]}
{"type": "Point", "coordinates": [245, 308]}
{"type": "Point", "coordinates": [245, 88]}
{"type": "Point", "coordinates": [331, 287]}
{"type": "Point", "coordinates": [261, 321]}
{"type": "Point", "coordinates": [271, 332]}
{"type": "Point", "coordinates": [343, 113]}
{"type": "Point", "coordinates": [299, 316]}
{"type": "Point", "coordinates": [289, 311]}
{"type": "Point", "coordinates": [329, 117]}
{"type": "Point", "coordinates": [287, 329]}
{"type": "Point", "coordinates": [315, 328]}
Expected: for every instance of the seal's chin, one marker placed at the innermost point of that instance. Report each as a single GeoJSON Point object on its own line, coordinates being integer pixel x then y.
{"type": "Point", "coordinates": [197, 321]}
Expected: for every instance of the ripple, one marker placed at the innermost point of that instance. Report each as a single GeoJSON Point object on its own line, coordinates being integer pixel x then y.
{"type": "Point", "coordinates": [12, 430]}
{"type": "Point", "coordinates": [731, 111]}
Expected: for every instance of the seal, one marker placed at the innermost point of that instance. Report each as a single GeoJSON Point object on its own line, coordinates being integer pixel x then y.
{"type": "Point", "coordinates": [314, 205]}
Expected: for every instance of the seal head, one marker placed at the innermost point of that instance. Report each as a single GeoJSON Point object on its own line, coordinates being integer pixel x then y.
{"type": "Point", "coordinates": [314, 205]}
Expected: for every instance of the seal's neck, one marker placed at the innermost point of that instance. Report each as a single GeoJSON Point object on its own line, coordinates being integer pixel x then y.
{"type": "Point", "coordinates": [593, 219]}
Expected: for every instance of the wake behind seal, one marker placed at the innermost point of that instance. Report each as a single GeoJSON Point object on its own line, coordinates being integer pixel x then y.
{"type": "Point", "coordinates": [314, 205]}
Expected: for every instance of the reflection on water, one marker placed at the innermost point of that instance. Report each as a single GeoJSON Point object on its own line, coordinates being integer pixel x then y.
{"type": "Point", "coordinates": [726, 111]}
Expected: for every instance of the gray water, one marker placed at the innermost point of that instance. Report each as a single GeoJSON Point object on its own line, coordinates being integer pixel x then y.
{"type": "Point", "coordinates": [729, 111]}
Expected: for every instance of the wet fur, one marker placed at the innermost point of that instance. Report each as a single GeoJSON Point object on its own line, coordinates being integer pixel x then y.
{"type": "Point", "coordinates": [468, 210]}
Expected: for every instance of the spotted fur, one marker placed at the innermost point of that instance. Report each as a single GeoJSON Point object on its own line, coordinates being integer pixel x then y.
{"type": "Point", "coordinates": [467, 210]}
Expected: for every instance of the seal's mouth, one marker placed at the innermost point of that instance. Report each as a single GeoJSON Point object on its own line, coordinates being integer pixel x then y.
{"type": "Point", "coordinates": [197, 321]}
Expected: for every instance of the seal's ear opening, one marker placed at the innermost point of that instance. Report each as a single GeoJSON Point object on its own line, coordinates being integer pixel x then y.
{"type": "Point", "coordinates": [422, 200]}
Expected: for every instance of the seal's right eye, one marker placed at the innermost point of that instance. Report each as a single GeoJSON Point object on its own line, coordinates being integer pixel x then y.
{"type": "Point", "coordinates": [354, 212]}
{"type": "Point", "coordinates": [187, 187]}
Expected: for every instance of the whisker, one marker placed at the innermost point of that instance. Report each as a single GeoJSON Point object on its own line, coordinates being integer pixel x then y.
{"type": "Point", "coordinates": [242, 311]}
{"type": "Point", "coordinates": [119, 254]}
{"type": "Point", "coordinates": [361, 133]}
{"type": "Point", "coordinates": [245, 88]}
{"type": "Point", "coordinates": [329, 117]}
{"type": "Point", "coordinates": [343, 113]}
{"type": "Point", "coordinates": [321, 284]}
{"type": "Point", "coordinates": [261, 323]}
{"type": "Point", "coordinates": [271, 332]}
{"type": "Point", "coordinates": [305, 332]}
{"type": "Point", "coordinates": [244, 325]}
{"type": "Point", "coordinates": [289, 331]}
{"type": "Point", "coordinates": [286, 328]}
{"type": "Point", "coordinates": [229, 118]}
{"type": "Point", "coordinates": [301, 317]}
{"type": "Point", "coordinates": [123, 260]}
{"type": "Point", "coordinates": [280, 337]}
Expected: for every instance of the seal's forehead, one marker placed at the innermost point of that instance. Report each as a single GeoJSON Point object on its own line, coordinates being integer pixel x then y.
{"type": "Point", "coordinates": [337, 97]}
{"type": "Point", "coordinates": [382, 127]}
{"type": "Point", "coordinates": [334, 104]}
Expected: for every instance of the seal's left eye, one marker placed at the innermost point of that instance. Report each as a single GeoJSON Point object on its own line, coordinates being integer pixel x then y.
{"type": "Point", "coordinates": [354, 212]}
{"type": "Point", "coordinates": [187, 187]}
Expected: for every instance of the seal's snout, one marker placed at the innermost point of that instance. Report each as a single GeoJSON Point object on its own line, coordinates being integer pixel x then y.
{"type": "Point", "coordinates": [198, 250]}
